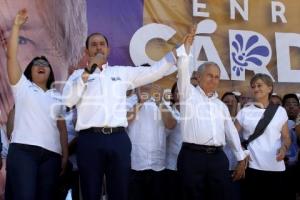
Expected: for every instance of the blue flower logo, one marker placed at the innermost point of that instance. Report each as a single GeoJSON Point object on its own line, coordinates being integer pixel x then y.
{"type": "Point", "coordinates": [246, 53]}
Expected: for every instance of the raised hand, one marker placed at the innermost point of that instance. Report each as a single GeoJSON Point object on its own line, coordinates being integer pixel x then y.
{"type": "Point", "coordinates": [14, 71]}
{"type": "Point", "coordinates": [21, 17]}
{"type": "Point", "coordinates": [188, 39]}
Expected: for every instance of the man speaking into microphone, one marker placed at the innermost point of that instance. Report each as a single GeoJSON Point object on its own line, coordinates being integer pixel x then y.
{"type": "Point", "coordinates": [99, 93]}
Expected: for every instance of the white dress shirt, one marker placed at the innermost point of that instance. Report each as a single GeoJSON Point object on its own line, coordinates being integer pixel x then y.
{"type": "Point", "coordinates": [174, 141]}
{"type": "Point", "coordinates": [263, 149]}
{"type": "Point", "coordinates": [230, 156]}
{"type": "Point", "coordinates": [101, 101]}
{"type": "Point", "coordinates": [205, 120]}
{"type": "Point", "coordinates": [36, 115]}
{"type": "Point", "coordinates": [148, 138]}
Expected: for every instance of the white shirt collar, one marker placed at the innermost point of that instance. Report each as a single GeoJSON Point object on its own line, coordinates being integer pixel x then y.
{"type": "Point", "coordinates": [39, 88]}
{"type": "Point", "coordinates": [104, 66]}
{"type": "Point", "coordinates": [214, 95]}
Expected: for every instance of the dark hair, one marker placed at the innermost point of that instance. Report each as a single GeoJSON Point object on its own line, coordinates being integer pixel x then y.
{"type": "Point", "coordinates": [276, 96]}
{"type": "Point", "coordinates": [173, 93]}
{"type": "Point", "coordinates": [145, 65]}
{"type": "Point", "coordinates": [265, 78]}
{"type": "Point", "coordinates": [230, 94]}
{"type": "Point", "coordinates": [27, 71]}
{"type": "Point", "coordinates": [93, 34]}
{"type": "Point", "coordinates": [289, 96]}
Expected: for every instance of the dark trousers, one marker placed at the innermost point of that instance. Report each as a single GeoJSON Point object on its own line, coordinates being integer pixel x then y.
{"type": "Point", "coordinates": [99, 154]}
{"type": "Point", "coordinates": [262, 185]}
{"type": "Point", "coordinates": [291, 181]}
{"type": "Point", "coordinates": [32, 173]}
{"type": "Point", "coordinates": [69, 180]}
{"type": "Point", "coordinates": [235, 188]}
{"type": "Point", "coordinates": [204, 175]}
{"type": "Point", "coordinates": [173, 186]}
{"type": "Point", "coordinates": [146, 185]}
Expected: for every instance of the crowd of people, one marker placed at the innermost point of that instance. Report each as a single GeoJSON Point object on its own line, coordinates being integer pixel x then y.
{"type": "Point", "coordinates": [108, 133]}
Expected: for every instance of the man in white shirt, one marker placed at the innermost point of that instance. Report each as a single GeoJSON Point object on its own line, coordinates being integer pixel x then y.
{"type": "Point", "coordinates": [148, 138]}
{"type": "Point", "coordinates": [99, 93]}
{"type": "Point", "coordinates": [206, 127]}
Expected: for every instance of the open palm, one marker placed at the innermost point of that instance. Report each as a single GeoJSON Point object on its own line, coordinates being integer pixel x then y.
{"type": "Point", "coordinates": [189, 38]}
{"type": "Point", "coordinates": [21, 17]}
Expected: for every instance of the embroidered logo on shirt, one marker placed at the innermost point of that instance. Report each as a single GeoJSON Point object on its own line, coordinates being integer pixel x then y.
{"type": "Point", "coordinates": [34, 88]}
{"type": "Point", "coordinates": [91, 79]}
{"type": "Point", "coordinates": [115, 78]}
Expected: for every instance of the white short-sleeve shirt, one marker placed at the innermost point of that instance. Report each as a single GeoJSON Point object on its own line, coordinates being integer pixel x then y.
{"type": "Point", "coordinates": [36, 113]}
{"type": "Point", "coordinates": [263, 150]}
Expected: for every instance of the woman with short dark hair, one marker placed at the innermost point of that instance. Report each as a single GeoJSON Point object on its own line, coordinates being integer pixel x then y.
{"type": "Point", "coordinates": [38, 150]}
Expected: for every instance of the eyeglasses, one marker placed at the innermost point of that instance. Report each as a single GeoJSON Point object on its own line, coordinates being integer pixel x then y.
{"type": "Point", "coordinates": [41, 63]}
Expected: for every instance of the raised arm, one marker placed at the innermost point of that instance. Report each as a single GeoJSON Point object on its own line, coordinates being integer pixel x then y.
{"type": "Point", "coordinates": [184, 61]}
{"type": "Point", "coordinates": [139, 76]}
{"type": "Point", "coordinates": [13, 67]}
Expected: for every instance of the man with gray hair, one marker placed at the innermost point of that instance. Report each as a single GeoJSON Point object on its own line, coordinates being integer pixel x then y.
{"type": "Point", "coordinates": [206, 128]}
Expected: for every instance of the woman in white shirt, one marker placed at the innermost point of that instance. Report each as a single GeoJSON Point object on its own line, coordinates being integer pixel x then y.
{"type": "Point", "coordinates": [266, 166]}
{"type": "Point", "coordinates": [38, 150]}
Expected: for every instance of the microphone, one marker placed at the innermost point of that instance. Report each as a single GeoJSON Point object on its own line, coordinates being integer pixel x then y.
{"type": "Point", "coordinates": [94, 66]}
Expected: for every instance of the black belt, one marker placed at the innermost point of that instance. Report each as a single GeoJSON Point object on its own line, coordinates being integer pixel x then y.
{"type": "Point", "coordinates": [104, 130]}
{"type": "Point", "coordinates": [203, 148]}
